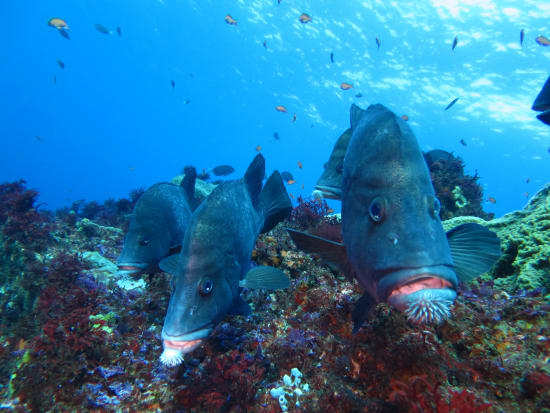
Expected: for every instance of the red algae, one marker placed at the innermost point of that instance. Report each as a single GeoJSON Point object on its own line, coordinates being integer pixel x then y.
{"type": "Point", "coordinates": [89, 345]}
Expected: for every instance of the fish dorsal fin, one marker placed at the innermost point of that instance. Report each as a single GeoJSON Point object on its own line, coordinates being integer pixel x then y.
{"type": "Point", "coordinates": [268, 278]}
{"type": "Point", "coordinates": [474, 249]}
{"type": "Point", "coordinates": [361, 311]}
{"type": "Point", "coordinates": [275, 202]}
{"type": "Point", "coordinates": [253, 179]}
{"type": "Point", "coordinates": [188, 185]}
{"type": "Point", "coordinates": [542, 102]}
{"type": "Point", "coordinates": [240, 307]}
{"type": "Point", "coordinates": [330, 251]}
{"type": "Point", "coordinates": [355, 114]}
{"type": "Point", "coordinates": [169, 264]}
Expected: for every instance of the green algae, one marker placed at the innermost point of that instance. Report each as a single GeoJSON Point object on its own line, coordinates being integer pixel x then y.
{"type": "Point", "coordinates": [525, 245]}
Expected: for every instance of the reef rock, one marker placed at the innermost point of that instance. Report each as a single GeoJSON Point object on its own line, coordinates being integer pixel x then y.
{"type": "Point", "coordinates": [525, 243]}
{"type": "Point", "coordinates": [202, 188]}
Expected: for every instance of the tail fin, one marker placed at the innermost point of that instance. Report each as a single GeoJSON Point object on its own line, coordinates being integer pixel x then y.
{"type": "Point", "coordinates": [253, 178]}
{"type": "Point", "coordinates": [274, 201]}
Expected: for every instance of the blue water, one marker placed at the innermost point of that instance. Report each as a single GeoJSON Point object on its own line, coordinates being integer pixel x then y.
{"type": "Point", "coordinates": [112, 122]}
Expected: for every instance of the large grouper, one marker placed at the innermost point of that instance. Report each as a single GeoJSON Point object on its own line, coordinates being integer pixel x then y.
{"type": "Point", "coordinates": [215, 260]}
{"type": "Point", "coordinates": [393, 240]}
{"type": "Point", "coordinates": [157, 225]}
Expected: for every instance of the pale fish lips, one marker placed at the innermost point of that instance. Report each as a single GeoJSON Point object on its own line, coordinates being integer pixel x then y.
{"type": "Point", "coordinates": [426, 300]}
{"type": "Point", "coordinates": [130, 268]}
{"type": "Point", "coordinates": [174, 351]}
{"type": "Point", "coordinates": [328, 192]}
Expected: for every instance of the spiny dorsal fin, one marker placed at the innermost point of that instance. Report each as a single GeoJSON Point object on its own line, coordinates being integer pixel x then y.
{"type": "Point", "coordinates": [253, 178]}
{"type": "Point", "coordinates": [188, 185]}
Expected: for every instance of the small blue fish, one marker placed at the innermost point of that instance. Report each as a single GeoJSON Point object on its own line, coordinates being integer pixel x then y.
{"type": "Point", "coordinates": [378, 42]}
{"type": "Point", "coordinates": [521, 37]}
{"type": "Point", "coordinates": [450, 105]}
{"type": "Point", "coordinates": [455, 42]}
{"type": "Point", "coordinates": [102, 29]}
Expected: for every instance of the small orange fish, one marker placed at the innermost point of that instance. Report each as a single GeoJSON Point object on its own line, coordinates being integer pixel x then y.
{"type": "Point", "coordinates": [292, 196]}
{"type": "Point", "coordinates": [258, 148]}
{"type": "Point", "coordinates": [346, 86]}
{"type": "Point", "coordinates": [543, 41]}
{"type": "Point", "coordinates": [281, 108]}
{"type": "Point", "coordinates": [291, 181]}
{"type": "Point", "coordinates": [230, 20]}
{"type": "Point", "coordinates": [294, 118]}
{"type": "Point", "coordinates": [300, 165]}
{"type": "Point", "coordinates": [305, 18]}
{"type": "Point", "coordinates": [526, 194]}
{"type": "Point", "coordinates": [491, 200]}
{"type": "Point", "coordinates": [58, 23]}
{"type": "Point", "coordinates": [405, 117]}
{"type": "Point", "coordinates": [330, 211]}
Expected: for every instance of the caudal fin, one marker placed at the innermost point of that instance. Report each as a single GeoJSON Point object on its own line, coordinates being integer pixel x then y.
{"type": "Point", "coordinates": [274, 201]}
{"type": "Point", "coordinates": [474, 249]}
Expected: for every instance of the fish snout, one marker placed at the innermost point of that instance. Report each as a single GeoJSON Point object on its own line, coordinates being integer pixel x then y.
{"type": "Point", "coordinates": [425, 306]}
{"type": "Point", "coordinates": [131, 268]}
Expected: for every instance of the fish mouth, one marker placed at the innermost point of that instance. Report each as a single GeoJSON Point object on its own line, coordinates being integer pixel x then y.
{"type": "Point", "coordinates": [424, 294]}
{"type": "Point", "coordinates": [130, 268]}
{"type": "Point", "coordinates": [425, 299]}
{"type": "Point", "coordinates": [328, 192]}
{"type": "Point", "coordinates": [176, 346]}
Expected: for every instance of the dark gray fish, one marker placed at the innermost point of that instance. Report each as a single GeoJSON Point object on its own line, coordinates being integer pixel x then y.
{"type": "Point", "coordinates": [450, 105]}
{"type": "Point", "coordinates": [359, 95]}
{"type": "Point", "coordinates": [521, 37]}
{"type": "Point", "coordinates": [223, 170]}
{"type": "Point", "coordinates": [455, 42]}
{"type": "Point", "coordinates": [55, 79]}
{"type": "Point", "coordinates": [64, 33]}
{"type": "Point", "coordinates": [119, 31]}
{"type": "Point", "coordinates": [329, 184]}
{"type": "Point", "coordinates": [276, 135]}
{"type": "Point", "coordinates": [214, 260]}
{"type": "Point", "coordinates": [394, 243]}
{"type": "Point", "coordinates": [101, 29]}
{"type": "Point", "coordinates": [173, 83]}
{"type": "Point", "coordinates": [542, 103]}
{"type": "Point", "coordinates": [463, 142]}
{"type": "Point", "coordinates": [332, 57]}
{"type": "Point", "coordinates": [61, 64]}
{"type": "Point", "coordinates": [378, 42]}
{"type": "Point", "coordinates": [157, 225]}
{"type": "Point", "coordinates": [286, 176]}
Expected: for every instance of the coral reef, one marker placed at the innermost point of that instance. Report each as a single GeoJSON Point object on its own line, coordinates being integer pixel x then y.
{"type": "Point", "coordinates": [84, 343]}
{"type": "Point", "coordinates": [459, 193]}
{"type": "Point", "coordinates": [525, 242]}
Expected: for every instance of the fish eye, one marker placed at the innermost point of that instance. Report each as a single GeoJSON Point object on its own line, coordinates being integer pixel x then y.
{"type": "Point", "coordinates": [206, 286]}
{"type": "Point", "coordinates": [376, 209]}
{"type": "Point", "coordinates": [144, 242]}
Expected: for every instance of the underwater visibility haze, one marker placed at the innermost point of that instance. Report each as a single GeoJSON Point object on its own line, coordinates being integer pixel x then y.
{"type": "Point", "coordinates": [275, 205]}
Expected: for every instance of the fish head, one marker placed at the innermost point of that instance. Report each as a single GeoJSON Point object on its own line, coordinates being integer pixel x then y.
{"type": "Point", "coordinates": [204, 290]}
{"type": "Point", "coordinates": [391, 226]}
{"type": "Point", "coordinates": [329, 184]}
{"type": "Point", "coordinates": [143, 248]}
